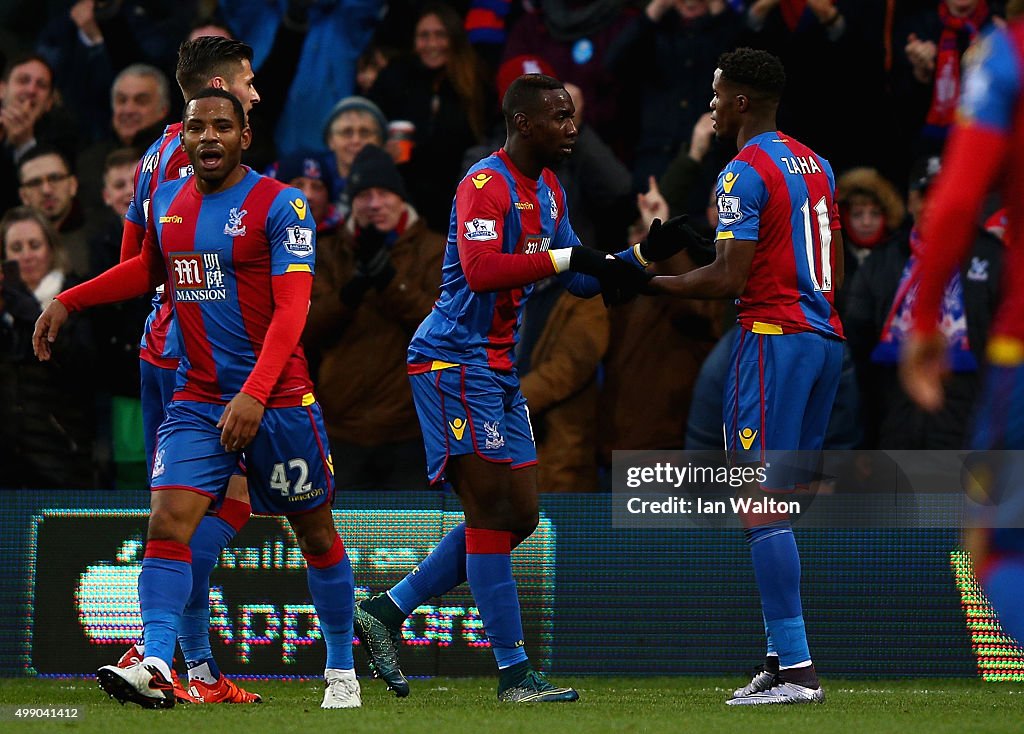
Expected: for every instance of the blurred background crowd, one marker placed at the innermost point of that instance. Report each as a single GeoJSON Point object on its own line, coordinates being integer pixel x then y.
{"type": "Point", "coordinates": [375, 109]}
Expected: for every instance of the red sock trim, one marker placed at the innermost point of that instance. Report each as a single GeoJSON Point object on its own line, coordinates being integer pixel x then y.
{"type": "Point", "coordinates": [170, 550]}
{"type": "Point", "coordinates": [330, 558]}
{"type": "Point", "coordinates": [479, 540]}
{"type": "Point", "coordinates": [235, 513]}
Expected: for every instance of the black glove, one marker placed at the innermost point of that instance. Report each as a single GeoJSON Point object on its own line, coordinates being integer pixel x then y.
{"type": "Point", "coordinates": [700, 249]}
{"type": "Point", "coordinates": [588, 261]}
{"type": "Point", "coordinates": [664, 239]}
{"type": "Point", "coordinates": [622, 282]}
{"type": "Point", "coordinates": [373, 260]}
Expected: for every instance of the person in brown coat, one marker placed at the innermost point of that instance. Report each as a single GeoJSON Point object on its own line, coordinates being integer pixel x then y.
{"type": "Point", "coordinates": [657, 346]}
{"type": "Point", "coordinates": [559, 356]}
{"type": "Point", "coordinates": [373, 287]}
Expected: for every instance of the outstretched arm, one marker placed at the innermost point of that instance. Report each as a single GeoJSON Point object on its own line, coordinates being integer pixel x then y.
{"type": "Point", "coordinates": [725, 277]}
{"type": "Point", "coordinates": [130, 279]}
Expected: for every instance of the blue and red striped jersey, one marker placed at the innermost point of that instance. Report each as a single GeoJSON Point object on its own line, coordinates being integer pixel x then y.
{"type": "Point", "coordinates": [984, 153]}
{"type": "Point", "coordinates": [781, 194]}
{"type": "Point", "coordinates": [164, 159]}
{"type": "Point", "coordinates": [221, 252]}
{"type": "Point", "coordinates": [495, 204]}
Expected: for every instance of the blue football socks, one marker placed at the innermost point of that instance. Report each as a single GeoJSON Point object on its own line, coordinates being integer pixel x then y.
{"type": "Point", "coordinates": [437, 574]}
{"type": "Point", "coordinates": [489, 572]}
{"type": "Point", "coordinates": [164, 584]}
{"type": "Point", "coordinates": [777, 569]}
{"type": "Point", "coordinates": [332, 587]}
{"type": "Point", "coordinates": [209, 539]}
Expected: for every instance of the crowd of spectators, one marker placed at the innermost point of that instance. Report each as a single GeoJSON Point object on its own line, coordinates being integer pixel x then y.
{"type": "Point", "coordinates": [375, 110]}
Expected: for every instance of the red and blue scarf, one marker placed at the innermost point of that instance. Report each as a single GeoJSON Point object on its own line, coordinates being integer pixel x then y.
{"type": "Point", "coordinates": [957, 34]}
{"type": "Point", "coordinates": [952, 321]}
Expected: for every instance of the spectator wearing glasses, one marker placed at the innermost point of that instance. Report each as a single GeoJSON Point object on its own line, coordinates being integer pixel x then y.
{"type": "Point", "coordinates": [353, 123]}
{"type": "Point", "coordinates": [47, 184]}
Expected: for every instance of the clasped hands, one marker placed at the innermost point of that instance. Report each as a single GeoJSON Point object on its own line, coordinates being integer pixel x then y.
{"type": "Point", "coordinates": [620, 280]}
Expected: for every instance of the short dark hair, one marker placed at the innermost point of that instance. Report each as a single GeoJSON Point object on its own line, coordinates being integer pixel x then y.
{"type": "Point", "coordinates": [218, 94]}
{"type": "Point", "coordinates": [524, 94]}
{"type": "Point", "coordinates": [759, 70]}
{"type": "Point", "coordinates": [25, 58]}
{"type": "Point", "coordinates": [120, 157]}
{"type": "Point", "coordinates": [203, 58]}
{"type": "Point", "coordinates": [44, 150]}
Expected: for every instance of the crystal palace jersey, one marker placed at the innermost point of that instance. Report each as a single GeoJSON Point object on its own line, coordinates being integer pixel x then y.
{"type": "Point", "coordinates": [985, 153]}
{"type": "Point", "coordinates": [494, 204]}
{"type": "Point", "coordinates": [780, 194]}
{"type": "Point", "coordinates": [164, 159]}
{"type": "Point", "coordinates": [221, 251]}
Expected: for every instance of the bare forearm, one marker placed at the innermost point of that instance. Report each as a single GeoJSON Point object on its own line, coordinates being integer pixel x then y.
{"type": "Point", "coordinates": [711, 281]}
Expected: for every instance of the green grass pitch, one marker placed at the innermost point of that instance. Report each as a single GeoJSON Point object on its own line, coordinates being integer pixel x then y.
{"type": "Point", "coordinates": [453, 706]}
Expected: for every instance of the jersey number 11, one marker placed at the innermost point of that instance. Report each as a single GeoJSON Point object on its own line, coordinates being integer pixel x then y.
{"type": "Point", "coordinates": [819, 264]}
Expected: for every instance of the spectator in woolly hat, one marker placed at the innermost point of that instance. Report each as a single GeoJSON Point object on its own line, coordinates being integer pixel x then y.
{"type": "Point", "coordinates": [374, 168]}
{"type": "Point", "coordinates": [306, 171]}
{"type": "Point", "coordinates": [353, 123]}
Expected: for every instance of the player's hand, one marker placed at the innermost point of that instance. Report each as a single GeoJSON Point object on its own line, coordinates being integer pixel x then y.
{"type": "Point", "coordinates": [700, 249]}
{"type": "Point", "coordinates": [665, 239]}
{"type": "Point", "coordinates": [622, 282]}
{"type": "Point", "coordinates": [240, 421]}
{"type": "Point", "coordinates": [588, 261]}
{"type": "Point", "coordinates": [47, 327]}
{"type": "Point", "coordinates": [923, 367]}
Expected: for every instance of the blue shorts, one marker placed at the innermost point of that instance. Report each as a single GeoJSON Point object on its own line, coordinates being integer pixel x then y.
{"type": "Point", "coordinates": [466, 409]}
{"type": "Point", "coordinates": [288, 463]}
{"type": "Point", "coordinates": [157, 386]}
{"type": "Point", "coordinates": [779, 393]}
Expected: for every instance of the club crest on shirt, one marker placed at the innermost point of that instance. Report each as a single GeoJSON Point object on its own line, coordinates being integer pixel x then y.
{"type": "Point", "coordinates": [299, 241]}
{"type": "Point", "coordinates": [481, 230]}
{"type": "Point", "coordinates": [554, 206]}
{"type": "Point", "coordinates": [234, 227]}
